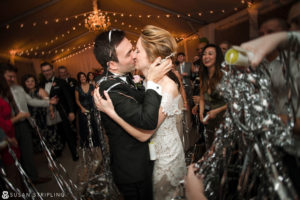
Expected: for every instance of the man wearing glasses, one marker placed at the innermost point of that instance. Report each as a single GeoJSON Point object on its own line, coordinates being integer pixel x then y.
{"type": "Point", "coordinates": [58, 88]}
{"type": "Point", "coordinates": [130, 161]}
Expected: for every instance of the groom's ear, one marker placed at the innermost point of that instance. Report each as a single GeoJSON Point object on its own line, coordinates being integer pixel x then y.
{"type": "Point", "coordinates": [113, 65]}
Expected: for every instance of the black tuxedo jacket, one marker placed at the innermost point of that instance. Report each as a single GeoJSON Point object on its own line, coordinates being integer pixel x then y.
{"type": "Point", "coordinates": [130, 160]}
{"type": "Point", "coordinates": [62, 91]}
{"type": "Point", "coordinates": [72, 83]}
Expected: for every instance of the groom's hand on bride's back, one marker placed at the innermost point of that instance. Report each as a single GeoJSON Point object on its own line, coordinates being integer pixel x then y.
{"type": "Point", "coordinates": [157, 70]}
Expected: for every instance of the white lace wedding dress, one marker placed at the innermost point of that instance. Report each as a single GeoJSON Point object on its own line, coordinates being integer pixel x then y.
{"type": "Point", "coordinates": [169, 166]}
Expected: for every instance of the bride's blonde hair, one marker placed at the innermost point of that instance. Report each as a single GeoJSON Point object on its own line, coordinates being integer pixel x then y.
{"type": "Point", "coordinates": [157, 42]}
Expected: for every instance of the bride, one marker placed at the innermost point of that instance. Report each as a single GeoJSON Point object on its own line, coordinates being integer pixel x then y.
{"type": "Point", "coordinates": [169, 166]}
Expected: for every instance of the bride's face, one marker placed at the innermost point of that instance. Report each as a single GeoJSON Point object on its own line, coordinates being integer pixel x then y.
{"type": "Point", "coordinates": [141, 59]}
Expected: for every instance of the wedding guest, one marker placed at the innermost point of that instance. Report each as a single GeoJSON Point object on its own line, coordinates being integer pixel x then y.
{"type": "Point", "coordinates": [91, 78]}
{"type": "Point", "coordinates": [210, 99]}
{"type": "Point", "coordinates": [7, 104]}
{"type": "Point", "coordinates": [84, 100]}
{"type": "Point", "coordinates": [23, 128]}
{"type": "Point", "coordinates": [40, 114]}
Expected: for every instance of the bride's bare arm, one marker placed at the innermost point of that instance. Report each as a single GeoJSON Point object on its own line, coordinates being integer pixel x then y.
{"type": "Point", "coordinates": [107, 107]}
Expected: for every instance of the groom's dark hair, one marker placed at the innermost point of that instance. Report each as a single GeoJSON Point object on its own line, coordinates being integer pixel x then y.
{"type": "Point", "coordinates": [105, 46]}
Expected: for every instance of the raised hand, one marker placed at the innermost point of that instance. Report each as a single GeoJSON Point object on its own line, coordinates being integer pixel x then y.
{"type": "Point", "coordinates": [157, 70]}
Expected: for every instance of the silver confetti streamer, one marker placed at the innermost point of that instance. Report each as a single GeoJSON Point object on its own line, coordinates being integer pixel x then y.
{"type": "Point", "coordinates": [96, 181]}
{"type": "Point", "coordinates": [66, 185]}
{"type": "Point", "coordinates": [245, 161]}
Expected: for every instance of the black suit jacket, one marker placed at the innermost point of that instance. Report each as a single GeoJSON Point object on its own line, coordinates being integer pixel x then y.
{"type": "Point", "coordinates": [187, 69]}
{"type": "Point", "coordinates": [62, 91]}
{"type": "Point", "coordinates": [72, 83]}
{"type": "Point", "coordinates": [130, 160]}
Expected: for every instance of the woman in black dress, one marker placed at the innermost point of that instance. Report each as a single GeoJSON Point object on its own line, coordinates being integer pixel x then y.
{"type": "Point", "coordinates": [84, 99]}
{"type": "Point", "coordinates": [29, 82]}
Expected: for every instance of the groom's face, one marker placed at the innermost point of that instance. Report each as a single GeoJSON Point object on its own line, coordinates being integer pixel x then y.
{"type": "Point", "coordinates": [124, 53]}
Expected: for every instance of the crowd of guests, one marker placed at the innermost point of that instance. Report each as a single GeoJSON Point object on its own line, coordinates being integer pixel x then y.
{"type": "Point", "coordinates": [53, 102]}
{"type": "Point", "coordinates": [60, 104]}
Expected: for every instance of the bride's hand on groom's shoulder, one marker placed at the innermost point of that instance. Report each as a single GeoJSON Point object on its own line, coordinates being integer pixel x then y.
{"type": "Point", "coordinates": [157, 70]}
{"type": "Point", "coordinates": [97, 97]}
{"type": "Point", "coordinates": [103, 105]}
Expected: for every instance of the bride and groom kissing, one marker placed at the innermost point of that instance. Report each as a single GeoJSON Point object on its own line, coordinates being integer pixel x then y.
{"type": "Point", "coordinates": [133, 116]}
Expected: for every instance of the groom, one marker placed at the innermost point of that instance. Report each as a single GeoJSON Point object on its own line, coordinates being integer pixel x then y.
{"type": "Point", "coordinates": [130, 162]}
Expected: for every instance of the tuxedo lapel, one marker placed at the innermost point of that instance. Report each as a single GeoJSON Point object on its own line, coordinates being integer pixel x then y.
{"type": "Point", "coordinates": [52, 87]}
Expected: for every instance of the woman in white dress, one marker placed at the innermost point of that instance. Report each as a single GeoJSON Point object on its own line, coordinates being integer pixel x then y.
{"type": "Point", "coordinates": [169, 166]}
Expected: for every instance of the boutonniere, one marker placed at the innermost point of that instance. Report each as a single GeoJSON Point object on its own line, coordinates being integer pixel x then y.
{"type": "Point", "coordinates": [53, 84]}
{"type": "Point", "coordinates": [71, 84]}
{"type": "Point", "coordinates": [137, 79]}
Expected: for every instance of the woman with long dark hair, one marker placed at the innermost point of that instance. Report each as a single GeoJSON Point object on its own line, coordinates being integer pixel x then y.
{"type": "Point", "coordinates": [90, 78]}
{"type": "Point", "coordinates": [30, 85]}
{"type": "Point", "coordinates": [84, 100]}
{"type": "Point", "coordinates": [7, 106]}
{"type": "Point", "coordinates": [210, 99]}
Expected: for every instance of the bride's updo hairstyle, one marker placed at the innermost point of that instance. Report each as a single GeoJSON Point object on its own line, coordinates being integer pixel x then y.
{"type": "Point", "coordinates": [158, 42]}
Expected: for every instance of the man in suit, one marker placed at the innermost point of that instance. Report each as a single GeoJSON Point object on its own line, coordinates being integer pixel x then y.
{"type": "Point", "coordinates": [59, 88]}
{"type": "Point", "coordinates": [72, 83]}
{"type": "Point", "coordinates": [64, 75]}
{"type": "Point", "coordinates": [184, 68]}
{"type": "Point", "coordinates": [130, 162]}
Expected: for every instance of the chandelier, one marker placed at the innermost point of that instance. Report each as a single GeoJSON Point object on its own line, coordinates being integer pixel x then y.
{"type": "Point", "coordinates": [97, 20]}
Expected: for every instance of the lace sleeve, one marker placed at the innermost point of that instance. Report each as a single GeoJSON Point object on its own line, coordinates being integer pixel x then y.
{"type": "Point", "coordinates": [169, 104]}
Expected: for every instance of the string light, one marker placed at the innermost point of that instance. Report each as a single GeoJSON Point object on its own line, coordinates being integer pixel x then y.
{"type": "Point", "coordinates": [46, 21]}
{"type": "Point", "coordinates": [244, 2]}
{"type": "Point", "coordinates": [85, 47]}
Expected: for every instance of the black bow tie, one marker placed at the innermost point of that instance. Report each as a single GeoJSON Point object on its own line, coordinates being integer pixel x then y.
{"type": "Point", "coordinates": [129, 79]}
{"type": "Point", "coordinates": [48, 81]}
